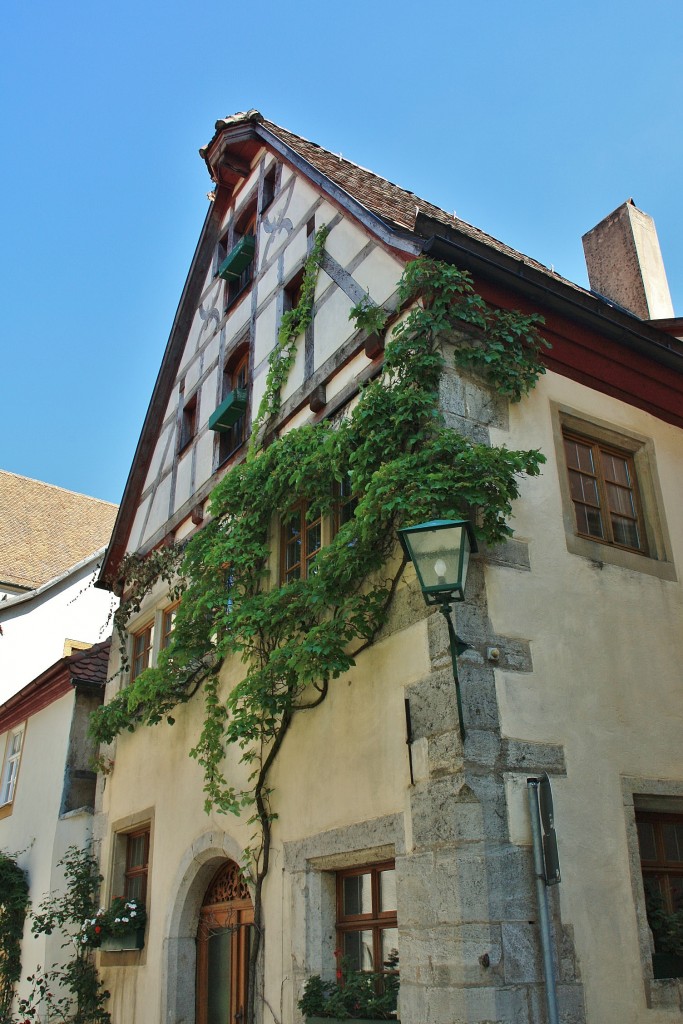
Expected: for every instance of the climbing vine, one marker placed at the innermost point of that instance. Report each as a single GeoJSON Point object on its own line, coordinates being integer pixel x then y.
{"type": "Point", "coordinates": [293, 323]}
{"type": "Point", "coordinates": [70, 991]}
{"type": "Point", "coordinates": [13, 907]}
{"type": "Point", "coordinates": [403, 465]}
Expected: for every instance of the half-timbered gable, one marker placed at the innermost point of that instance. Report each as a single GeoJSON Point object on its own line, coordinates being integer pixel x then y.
{"type": "Point", "coordinates": [402, 816]}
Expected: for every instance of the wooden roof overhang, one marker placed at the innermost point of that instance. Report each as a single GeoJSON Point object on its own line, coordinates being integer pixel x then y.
{"type": "Point", "coordinates": [594, 342]}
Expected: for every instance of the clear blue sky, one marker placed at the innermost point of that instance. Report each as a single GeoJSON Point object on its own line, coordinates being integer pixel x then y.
{"type": "Point", "coordinates": [531, 120]}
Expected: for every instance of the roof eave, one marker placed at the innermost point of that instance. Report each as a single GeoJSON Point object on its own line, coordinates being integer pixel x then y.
{"type": "Point", "coordinates": [553, 294]}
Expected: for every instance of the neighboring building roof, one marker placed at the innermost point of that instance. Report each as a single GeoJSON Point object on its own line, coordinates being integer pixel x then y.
{"type": "Point", "coordinates": [83, 669]}
{"type": "Point", "coordinates": [45, 530]}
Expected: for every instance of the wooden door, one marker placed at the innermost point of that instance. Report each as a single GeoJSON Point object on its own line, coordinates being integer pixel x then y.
{"type": "Point", "coordinates": [223, 942]}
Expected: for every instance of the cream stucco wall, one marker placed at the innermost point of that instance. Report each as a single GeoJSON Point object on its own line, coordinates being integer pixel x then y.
{"type": "Point", "coordinates": [606, 685]}
{"type": "Point", "coordinates": [601, 686]}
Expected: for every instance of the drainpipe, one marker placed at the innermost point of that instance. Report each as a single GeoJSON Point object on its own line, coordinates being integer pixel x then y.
{"type": "Point", "coordinates": [542, 896]}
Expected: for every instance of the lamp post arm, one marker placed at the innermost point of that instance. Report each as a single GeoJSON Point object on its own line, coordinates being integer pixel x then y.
{"type": "Point", "coordinates": [457, 647]}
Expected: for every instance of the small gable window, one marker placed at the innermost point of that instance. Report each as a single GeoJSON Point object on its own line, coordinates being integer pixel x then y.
{"type": "Point", "coordinates": [188, 425]}
{"type": "Point", "coordinates": [231, 418]}
{"type": "Point", "coordinates": [10, 770]}
{"type": "Point", "coordinates": [237, 268]}
{"type": "Point", "coordinates": [143, 644]}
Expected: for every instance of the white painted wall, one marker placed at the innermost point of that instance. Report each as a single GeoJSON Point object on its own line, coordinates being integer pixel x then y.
{"type": "Point", "coordinates": [35, 626]}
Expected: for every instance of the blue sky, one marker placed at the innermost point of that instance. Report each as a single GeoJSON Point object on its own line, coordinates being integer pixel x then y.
{"type": "Point", "coordinates": [531, 120]}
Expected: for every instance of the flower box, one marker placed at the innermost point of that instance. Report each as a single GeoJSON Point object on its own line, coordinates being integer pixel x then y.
{"type": "Point", "coordinates": [133, 938]}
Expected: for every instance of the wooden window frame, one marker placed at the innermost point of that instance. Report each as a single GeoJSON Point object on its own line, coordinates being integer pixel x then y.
{"type": "Point", "coordinates": [235, 375]}
{"type": "Point", "coordinates": [345, 502]}
{"type": "Point", "coordinates": [376, 921]}
{"type": "Point", "coordinates": [662, 869]}
{"type": "Point", "coordinates": [307, 558]}
{"type": "Point", "coordinates": [245, 224]}
{"type": "Point", "coordinates": [188, 422]}
{"type": "Point", "coordinates": [132, 873]}
{"type": "Point", "coordinates": [269, 189]}
{"type": "Point", "coordinates": [597, 448]}
{"type": "Point", "coordinates": [147, 651]}
{"type": "Point", "coordinates": [166, 633]}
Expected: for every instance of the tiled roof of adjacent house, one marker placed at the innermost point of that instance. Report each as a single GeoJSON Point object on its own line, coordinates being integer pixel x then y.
{"type": "Point", "coordinates": [44, 530]}
{"type": "Point", "coordinates": [90, 666]}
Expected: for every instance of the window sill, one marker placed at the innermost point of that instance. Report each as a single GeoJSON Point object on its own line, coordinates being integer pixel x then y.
{"type": "Point", "coordinates": [6, 810]}
{"type": "Point", "coordinates": [620, 557]}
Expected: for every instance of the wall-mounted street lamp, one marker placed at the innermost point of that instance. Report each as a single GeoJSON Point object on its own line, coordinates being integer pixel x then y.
{"type": "Point", "coordinates": [440, 551]}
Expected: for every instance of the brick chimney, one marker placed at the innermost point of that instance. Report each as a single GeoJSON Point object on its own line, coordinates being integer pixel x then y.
{"type": "Point", "coordinates": [625, 263]}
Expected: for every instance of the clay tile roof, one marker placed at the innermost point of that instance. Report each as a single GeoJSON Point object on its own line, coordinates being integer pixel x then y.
{"type": "Point", "coordinates": [90, 666]}
{"type": "Point", "coordinates": [392, 203]}
{"type": "Point", "coordinates": [45, 530]}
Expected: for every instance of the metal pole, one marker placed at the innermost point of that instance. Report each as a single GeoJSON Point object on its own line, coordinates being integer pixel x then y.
{"type": "Point", "coordinates": [457, 647]}
{"type": "Point", "coordinates": [542, 894]}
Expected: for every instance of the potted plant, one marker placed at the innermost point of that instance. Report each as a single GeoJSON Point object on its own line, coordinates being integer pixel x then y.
{"type": "Point", "coordinates": [355, 995]}
{"type": "Point", "coordinates": [667, 932]}
{"type": "Point", "coordinates": [120, 927]}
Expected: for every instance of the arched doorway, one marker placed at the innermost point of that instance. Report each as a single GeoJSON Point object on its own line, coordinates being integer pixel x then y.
{"type": "Point", "coordinates": [223, 941]}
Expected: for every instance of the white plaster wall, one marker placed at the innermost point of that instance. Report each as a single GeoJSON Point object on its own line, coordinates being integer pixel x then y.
{"type": "Point", "coordinates": [606, 685]}
{"type": "Point", "coordinates": [345, 240]}
{"type": "Point", "coordinates": [34, 829]}
{"type": "Point", "coordinates": [34, 631]}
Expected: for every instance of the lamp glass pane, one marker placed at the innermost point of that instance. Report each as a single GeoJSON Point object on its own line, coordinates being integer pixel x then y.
{"type": "Point", "coordinates": [436, 554]}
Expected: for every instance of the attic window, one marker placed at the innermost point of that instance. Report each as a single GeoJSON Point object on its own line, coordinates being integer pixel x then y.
{"type": "Point", "coordinates": [244, 242]}
{"type": "Point", "coordinates": [268, 191]}
{"type": "Point", "coordinates": [188, 426]}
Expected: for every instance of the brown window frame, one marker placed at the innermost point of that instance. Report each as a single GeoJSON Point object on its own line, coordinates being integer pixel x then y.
{"type": "Point", "coordinates": [376, 921]}
{"type": "Point", "coordinates": [132, 873]}
{"type": "Point", "coordinates": [345, 502]}
{"type": "Point", "coordinates": [188, 423]}
{"type": "Point", "coordinates": [597, 448]}
{"type": "Point", "coordinates": [661, 868]}
{"type": "Point", "coordinates": [235, 375]}
{"type": "Point", "coordinates": [246, 225]}
{"type": "Point", "coordinates": [307, 558]}
{"type": "Point", "coordinates": [147, 632]}
{"type": "Point", "coordinates": [166, 633]}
